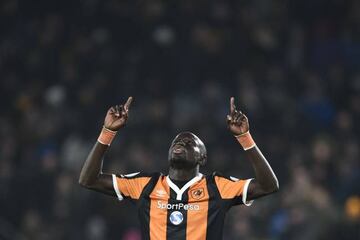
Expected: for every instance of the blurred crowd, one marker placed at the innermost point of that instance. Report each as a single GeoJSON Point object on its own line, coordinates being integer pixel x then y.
{"type": "Point", "coordinates": [293, 67]}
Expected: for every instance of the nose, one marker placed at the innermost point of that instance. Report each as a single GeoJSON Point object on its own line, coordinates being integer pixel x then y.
{"type": "Point", "coordinates": [180, 142]}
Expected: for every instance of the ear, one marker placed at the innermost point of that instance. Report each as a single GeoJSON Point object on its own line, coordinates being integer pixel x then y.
{"type": "Point", "coordinates": [202, 160]}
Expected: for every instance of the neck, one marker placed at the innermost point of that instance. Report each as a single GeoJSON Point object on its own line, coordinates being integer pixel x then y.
{"type": "Point", "coordinates": [183, 174]}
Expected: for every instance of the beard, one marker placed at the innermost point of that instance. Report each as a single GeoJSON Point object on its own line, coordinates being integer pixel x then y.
{"type": "Point", "coordinates": [180, 162]}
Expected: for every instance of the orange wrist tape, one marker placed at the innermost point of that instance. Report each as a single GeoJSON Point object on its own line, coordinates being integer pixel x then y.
{"type": "Point", "coordinates": [246, 140]}
{"type": "Point", "coordinates": [106, 136]}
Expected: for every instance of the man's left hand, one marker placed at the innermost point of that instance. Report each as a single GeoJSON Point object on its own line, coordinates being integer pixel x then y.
{"type": "Point", "coordinates": [237, 121]}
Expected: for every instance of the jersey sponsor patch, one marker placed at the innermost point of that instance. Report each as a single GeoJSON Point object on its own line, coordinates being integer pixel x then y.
{"type": "Point", "coordinates": [176, 217]}
{"type": "Point", "coordinates": [178, 206]}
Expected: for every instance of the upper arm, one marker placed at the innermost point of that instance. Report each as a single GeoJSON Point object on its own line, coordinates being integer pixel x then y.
{"type": "Point", "coordinates": [103, 184]}
{"type": "Point", "coordinates": [255, 191]}
{"type": "Point", "coordinates": [121, 186]}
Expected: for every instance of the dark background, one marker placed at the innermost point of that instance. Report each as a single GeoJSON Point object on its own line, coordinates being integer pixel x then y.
{"type": "Point", "coordinates": [293, 67]}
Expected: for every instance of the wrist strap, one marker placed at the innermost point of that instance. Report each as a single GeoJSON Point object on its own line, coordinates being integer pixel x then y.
{"type": "Point", "coordinates": [246, 140]}
{"type": "Point", "coordinates": [106, 136]}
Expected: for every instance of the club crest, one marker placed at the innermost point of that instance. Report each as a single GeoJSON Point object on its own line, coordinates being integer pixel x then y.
{"type": "Point", "coordinates": [197, 193]}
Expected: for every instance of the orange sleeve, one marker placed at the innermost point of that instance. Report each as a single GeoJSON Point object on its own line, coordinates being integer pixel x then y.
{"type": "Point", "coordinates": [130, 186]}
{"type": "Point", "coordinates": [229, 189]}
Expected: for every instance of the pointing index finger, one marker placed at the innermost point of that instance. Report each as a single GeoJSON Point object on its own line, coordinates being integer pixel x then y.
{"type": "Point", "coordinates": [128, 103]}
{"type": "Point", "coordinates": [232, 105]}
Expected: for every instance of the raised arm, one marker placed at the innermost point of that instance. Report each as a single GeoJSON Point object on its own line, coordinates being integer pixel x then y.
{"type": "Point", "coordinates": [91, 175]}
{"type": "Point", "coordinates": [265, 181]}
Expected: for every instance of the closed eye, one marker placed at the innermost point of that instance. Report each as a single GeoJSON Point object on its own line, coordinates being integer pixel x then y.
{"type": "Point", "coordinates": [188, 141]}
{"type": "Point", "coordinates": [185, 141]}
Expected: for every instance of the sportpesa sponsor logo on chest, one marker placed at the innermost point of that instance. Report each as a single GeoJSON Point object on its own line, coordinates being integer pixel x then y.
{"type": "Point", "coordinates": [178, 206]}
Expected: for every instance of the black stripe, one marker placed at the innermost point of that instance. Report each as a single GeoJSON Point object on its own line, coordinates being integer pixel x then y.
{"type": "Point", "coordinates": [144, 207]}
{"type": "Point", "coordinates": [216, 211]}
{"type": "Point", "coordinates": [177, 232]}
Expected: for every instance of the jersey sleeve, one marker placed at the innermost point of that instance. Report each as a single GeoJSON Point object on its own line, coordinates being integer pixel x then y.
{"type": "Point", "coordinates": [231, 188]}
{"type": "Point", "coordinates": [130, 185]}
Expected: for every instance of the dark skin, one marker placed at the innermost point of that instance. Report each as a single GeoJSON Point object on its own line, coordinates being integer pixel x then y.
{"type": "Point", "coordinates": [186, 154]}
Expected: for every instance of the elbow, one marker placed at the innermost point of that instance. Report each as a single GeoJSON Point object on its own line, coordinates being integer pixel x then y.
{"type": "Point", "coordinates": [84, 183]}
{"type": "Point", "coordinates": [88, 183]}
{"type": "Point", "coordinates": [272, 188]}
{"type": "Point", "coordinates": [275, 188]}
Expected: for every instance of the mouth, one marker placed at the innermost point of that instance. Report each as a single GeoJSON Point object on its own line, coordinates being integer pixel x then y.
{"type": "Point", "coordinates": [178, 149]}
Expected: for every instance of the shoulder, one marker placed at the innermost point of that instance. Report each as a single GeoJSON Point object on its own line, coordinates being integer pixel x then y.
{"type": "Point", "coordinates": [139, 175]}
{"type": "Point", "coordinates": [219, 175]}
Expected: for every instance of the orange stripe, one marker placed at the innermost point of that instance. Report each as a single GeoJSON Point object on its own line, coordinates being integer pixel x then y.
{"type": "Point", "coordinates": [197, 219]}
{"type": "Point", "coordinates": [158, 216]}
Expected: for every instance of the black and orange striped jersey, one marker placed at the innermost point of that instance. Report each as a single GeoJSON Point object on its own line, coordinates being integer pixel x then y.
{"type": "Point", "coordinates": [194, 212]}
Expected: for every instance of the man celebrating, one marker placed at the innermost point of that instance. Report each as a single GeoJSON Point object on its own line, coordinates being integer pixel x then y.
{"type": "Point", "coordinates": [184, 204]}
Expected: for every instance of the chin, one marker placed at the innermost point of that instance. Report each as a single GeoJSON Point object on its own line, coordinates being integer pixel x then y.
{"type": "Point", "coordinates": [181, 163]}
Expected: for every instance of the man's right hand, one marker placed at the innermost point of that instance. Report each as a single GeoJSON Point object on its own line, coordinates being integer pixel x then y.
{"type": "Point", "coordinates": [117, 116]}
